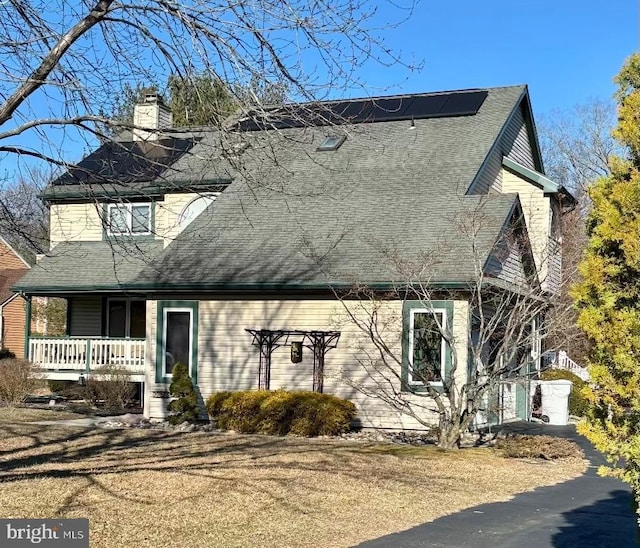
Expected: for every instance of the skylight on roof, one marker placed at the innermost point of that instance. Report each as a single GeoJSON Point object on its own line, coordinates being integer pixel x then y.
{"type": "Point", "coordinates": [332, 142]}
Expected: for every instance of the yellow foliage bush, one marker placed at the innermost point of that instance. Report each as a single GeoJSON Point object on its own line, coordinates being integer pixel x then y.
{"type": "Point", "coordinates": [281, 412]}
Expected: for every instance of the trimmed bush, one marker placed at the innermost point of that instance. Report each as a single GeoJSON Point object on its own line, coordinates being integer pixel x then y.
{"type": "Point", "coordinates": [281, 412]}
{"type": "Point", "coordinates": [184, 408]}
{"type": "Point", "coordinates": [214, 405]}
{"type": "Point", "coordinates": [539, 447]}
{"type": "Point", "coordinates": [577, 403]}
{"type": "Point", "coordinates": [112, 385]}
{"type": "Point", "coordinates": [18, 378]}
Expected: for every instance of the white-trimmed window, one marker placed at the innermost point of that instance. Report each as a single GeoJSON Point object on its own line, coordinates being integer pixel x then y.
{"type": "Point", "coordinates": [177, 339]}
{"type": "Point", "coordinates": [129, 219]}
{"type": "Point", "coordinates": [427, 346]}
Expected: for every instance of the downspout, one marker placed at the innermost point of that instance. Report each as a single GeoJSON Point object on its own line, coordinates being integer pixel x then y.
{"type": "Point", "coordinates": [27, 326]}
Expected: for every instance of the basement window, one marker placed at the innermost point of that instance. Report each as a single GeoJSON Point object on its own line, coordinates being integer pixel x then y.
{"type": "Point", "coordinates": [332, 142]}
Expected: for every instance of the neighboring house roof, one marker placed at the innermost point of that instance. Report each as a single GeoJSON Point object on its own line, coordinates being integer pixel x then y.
{"type": "Point", "coordinates": [391, 199]}
{"type": "Point", "coordinates": [8, 278]}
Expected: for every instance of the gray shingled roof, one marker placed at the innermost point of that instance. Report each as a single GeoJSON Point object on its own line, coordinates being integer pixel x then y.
{"type": "Point", "coordinates": [390, 199]}
{"type": "Point", "coordinates": [100, 265]}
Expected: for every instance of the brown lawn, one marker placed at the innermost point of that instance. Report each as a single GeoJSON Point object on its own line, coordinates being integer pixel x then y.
{"type": "Point", "coordinates": [142, 488]}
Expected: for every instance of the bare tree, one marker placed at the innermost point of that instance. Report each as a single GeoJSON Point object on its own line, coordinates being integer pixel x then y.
{"type": "Point", "coordinates": [576, 146]}
{"type": "Point", "coordinates": [62, 63]}
{"type": "Point", "coordinates": [462, 343]}
{"type": "Point", "coordinates": [23, 216]}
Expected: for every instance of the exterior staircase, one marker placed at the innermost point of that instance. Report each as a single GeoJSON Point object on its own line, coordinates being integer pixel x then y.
{"type": "Point", "coordinates": [560, 360]}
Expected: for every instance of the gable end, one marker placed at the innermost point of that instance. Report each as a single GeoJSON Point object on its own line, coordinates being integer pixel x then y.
{"type": "Point", "coordinates": [518, 141]}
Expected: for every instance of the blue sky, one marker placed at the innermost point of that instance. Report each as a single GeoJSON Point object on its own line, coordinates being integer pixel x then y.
{"type": "Point", "coordinates": [567, 51]}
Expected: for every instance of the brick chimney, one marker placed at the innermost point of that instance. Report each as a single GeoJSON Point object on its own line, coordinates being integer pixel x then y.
{"type": "Point", "coordinates": [153, 115]}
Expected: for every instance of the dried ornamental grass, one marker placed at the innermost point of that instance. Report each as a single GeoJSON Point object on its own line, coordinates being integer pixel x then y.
{"type": "Point", "coordinates": [539, 447]}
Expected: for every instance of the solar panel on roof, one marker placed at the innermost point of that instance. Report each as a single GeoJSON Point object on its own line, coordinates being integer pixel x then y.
{"type": "Point", "coordinates": [459, 103]}
{"type": "Point", "coordinates": [127, 162]}
{"type": "Point", "coordinates": [426, 105]}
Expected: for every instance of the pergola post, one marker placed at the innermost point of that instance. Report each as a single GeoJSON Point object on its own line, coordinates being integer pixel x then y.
{"type": "Point", "coordinates": [320, 342]}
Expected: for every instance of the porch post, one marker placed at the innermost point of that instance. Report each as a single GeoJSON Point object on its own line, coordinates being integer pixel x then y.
{"type": "Point", "coordinates": [88, 357]}
{"type": "Point", "coordinates": [27, 326]}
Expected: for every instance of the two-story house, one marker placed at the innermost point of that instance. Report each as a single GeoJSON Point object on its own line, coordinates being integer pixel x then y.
{"type": "Point", "coordinates": [235, 252]}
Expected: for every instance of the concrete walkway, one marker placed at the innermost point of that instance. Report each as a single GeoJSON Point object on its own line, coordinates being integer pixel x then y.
{"type": "Point", "coordinates": [588, 511]}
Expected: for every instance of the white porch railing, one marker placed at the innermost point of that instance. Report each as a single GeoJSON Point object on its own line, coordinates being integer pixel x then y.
{"type": "Point", "coordinates": [560, 360]}
{"type": "Point", "coordinates": [87, 354]}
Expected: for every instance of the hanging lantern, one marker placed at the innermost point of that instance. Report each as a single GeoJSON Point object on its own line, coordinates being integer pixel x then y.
{"type": "Point", "coordinates": [296, 352]}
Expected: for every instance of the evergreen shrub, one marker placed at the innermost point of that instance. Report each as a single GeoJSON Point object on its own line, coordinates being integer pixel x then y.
{"type": "Point", "coordinates": [281, 412]}
{"type": "Point", "coordinates": [184, 406]}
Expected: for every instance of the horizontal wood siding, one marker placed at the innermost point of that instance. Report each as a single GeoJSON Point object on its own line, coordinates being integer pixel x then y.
{"type": "Point", "coordinates": [167, 213]}
{"type": "Point", "coordinates": [9, 260]}
{"type": "Point", "coordinates": [489, 177]}
{"type": "Point", "coordinates": [13, 324]}
{"type": "Point", "coordinates": [228, 361]}
{"type": "Point", "coordinates": [516, 143]}
{"type": "Point", "coordinates": [153, 406]}
{"type": "Point", "coordinates": [512, 270]}
{"type": "Point", "coordinates": [85, 316]}
{"type": "Point", "coordinates": [537, 213]}
{"type": "Point", "coordinates": [75, 222]}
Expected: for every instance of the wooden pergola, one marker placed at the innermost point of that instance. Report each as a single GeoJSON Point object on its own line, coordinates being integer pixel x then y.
{"type": "Point", "coordinates": [267, 340]}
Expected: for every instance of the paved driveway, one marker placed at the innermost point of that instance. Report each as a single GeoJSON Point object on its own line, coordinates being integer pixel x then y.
{"type": "Point", "coordinates": [588, 511]}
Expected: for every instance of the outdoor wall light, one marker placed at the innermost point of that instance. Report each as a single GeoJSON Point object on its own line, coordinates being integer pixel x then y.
{"type": "Point", "coordinates": [296, 352]}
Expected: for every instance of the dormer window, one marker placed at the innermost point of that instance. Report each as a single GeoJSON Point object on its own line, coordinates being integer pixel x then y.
{"type": "Point", "coordinates": [332, 142]}
{"type": "Point", "coordinates": [129, 219]}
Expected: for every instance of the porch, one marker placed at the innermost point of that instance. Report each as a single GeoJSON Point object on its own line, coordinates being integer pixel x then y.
{"type": "Point", "coordinates": [69, 358]}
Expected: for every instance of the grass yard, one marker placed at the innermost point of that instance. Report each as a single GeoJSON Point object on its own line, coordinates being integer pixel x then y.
{"type": "Point", "coordinates": [10, 415]}
{"type": "Point", "coordinates": [147, 488]}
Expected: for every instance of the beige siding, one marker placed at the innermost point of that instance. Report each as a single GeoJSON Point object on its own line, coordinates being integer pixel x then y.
{"type": "Point", "coordinates": [75, 222]}
{"type": "Point", "coordinates": [228, 361]}
{"type": "Point", "coordinates": [13, 326]}
{"type": "Point", "coordinates": [83, 222]}
{"type": "Point", "coordinates": [150, 116]}
{"type": "Point", "coordinates": [153, 407]}
{"type": "Point", "coordinates": [537, 213]}
{"type": "Point", "coordinates": [168, 212]}
{"type": "Point", "coordinates": [85, 316]}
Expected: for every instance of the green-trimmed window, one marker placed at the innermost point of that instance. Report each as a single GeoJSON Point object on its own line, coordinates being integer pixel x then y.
{"type": "Point", "coordinates": [177, 340]}
{"type": "Point", "coordinates": [427, 345]}
{"type": "Point", "coordinates": [426, 352]}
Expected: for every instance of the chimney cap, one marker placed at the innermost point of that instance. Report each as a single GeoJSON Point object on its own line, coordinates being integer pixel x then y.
{"type": "Point", "coordinates": [153, 97]}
